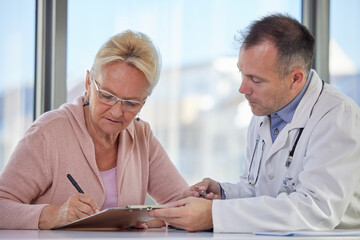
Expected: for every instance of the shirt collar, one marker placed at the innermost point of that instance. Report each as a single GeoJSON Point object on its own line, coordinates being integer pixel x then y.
{"type": "Point", "coordinates": [287, 112]}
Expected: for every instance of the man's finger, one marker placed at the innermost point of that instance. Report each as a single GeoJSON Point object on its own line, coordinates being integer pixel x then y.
{"type": "Point", "coordinates": [210, 196]}
{"type": "Point", "coordinates": [166, 213]}
{"type": "Point", "coordinates": [178, 203]}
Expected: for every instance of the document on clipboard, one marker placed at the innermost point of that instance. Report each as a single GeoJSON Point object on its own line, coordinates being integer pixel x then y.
{"type": "Point", "coordinates": [112, 218]}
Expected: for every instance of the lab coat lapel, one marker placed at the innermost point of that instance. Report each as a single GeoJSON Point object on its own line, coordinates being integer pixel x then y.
{"type": "Point", "coordinates": [306, 105]}
{"type": "Point", "coordinates": [301, 115]}
{"type": "Point", "coordinates": [279, 142]}
{"type": "Point", "coordinates": [264, 132]}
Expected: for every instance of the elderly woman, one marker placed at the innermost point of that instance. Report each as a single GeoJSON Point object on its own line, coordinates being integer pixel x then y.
{"type": "Point", "coordinates": [114, 159]}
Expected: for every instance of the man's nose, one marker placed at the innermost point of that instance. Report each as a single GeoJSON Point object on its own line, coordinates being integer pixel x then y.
{"type": "Point", "coordinates": [244, 88]}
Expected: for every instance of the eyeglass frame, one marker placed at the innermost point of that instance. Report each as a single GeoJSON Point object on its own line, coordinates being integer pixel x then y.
{"type": "Point", "coordinates": [118, 99]}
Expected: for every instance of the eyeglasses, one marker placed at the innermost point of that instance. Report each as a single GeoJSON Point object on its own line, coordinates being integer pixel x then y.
{"type": "Point", "coordinates": [110, 99]}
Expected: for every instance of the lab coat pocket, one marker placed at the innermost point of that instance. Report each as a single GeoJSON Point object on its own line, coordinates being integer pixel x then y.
{"type": "Point", "coordinates": [290, 181]}
{"type": "Point", "coordinates": [289, 184]}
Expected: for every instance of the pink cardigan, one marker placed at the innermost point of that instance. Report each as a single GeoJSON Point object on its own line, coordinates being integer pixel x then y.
{"type": "Point", "coordinates": [58, 143]}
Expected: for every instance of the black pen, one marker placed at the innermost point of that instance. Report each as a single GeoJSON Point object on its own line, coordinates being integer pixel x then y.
{"type": "Point", "coordinates": [74, 183]}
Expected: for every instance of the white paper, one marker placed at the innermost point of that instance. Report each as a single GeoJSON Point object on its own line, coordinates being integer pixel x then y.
{"type": "Point", "coordinates": [336, 232]}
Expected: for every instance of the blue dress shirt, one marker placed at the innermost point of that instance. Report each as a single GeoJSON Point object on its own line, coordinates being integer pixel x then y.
{"type": "Point", "coordinates": [282, 117]}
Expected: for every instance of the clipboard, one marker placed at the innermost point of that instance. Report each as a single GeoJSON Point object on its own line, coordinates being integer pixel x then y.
{"type": "Point", "coordinates": [112, 218]}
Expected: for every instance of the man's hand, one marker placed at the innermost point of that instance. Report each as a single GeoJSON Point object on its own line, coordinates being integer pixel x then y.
{"type": "Point", "coordinates": [191, 214]}
{"type": "Point", "coordinates": [207, 188]}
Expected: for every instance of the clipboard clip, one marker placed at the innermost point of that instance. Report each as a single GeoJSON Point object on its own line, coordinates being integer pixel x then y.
{"type": "Point", "coordinates": [146, 207]}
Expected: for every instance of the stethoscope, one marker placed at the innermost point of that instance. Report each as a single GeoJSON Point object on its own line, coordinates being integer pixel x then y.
{"type": "Point", "coordinates": [253, 181]}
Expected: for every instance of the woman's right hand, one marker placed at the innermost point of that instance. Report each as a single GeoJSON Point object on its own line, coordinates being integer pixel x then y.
{"type": "Point", "coordinates": [78, 206]}
{"type": "Point", "coordinates": [207, 188]}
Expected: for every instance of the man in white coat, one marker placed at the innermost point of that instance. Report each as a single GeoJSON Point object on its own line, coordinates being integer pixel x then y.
{"type": "Point", "coordinates": [302, 165]}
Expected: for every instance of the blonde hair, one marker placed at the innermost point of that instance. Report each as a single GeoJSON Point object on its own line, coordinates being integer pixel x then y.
{"type": "Point", "coordinates": [133, 48]}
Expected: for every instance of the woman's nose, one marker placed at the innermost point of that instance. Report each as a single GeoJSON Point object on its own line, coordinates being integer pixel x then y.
{"type": "Point", "coordinates": [117, 109]}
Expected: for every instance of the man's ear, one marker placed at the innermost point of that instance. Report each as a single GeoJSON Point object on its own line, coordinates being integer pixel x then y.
{"type": "Point", "coordinates": [298, 78]}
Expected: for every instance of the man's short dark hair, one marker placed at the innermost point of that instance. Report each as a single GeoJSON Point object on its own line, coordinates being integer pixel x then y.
{"type": "Point", "coordinates": [294, 42]}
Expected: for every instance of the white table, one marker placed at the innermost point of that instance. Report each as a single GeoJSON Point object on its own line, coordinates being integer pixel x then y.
{"type": "Point", "coordinates": [157, 233]}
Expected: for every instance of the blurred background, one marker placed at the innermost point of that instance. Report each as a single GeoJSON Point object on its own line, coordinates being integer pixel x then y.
{"type": "Point", "coordinates": [195, 111]}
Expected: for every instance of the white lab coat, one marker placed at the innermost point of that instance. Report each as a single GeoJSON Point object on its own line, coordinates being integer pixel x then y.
{"type": "Point", "coordinates": [322, 189]}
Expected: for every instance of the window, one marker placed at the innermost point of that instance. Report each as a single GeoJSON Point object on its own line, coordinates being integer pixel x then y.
{"type": "Point", "coordinates": [195, 111]}
{"type": "Point", "coordinates": [17, 59]}
{"type": "Point", "coordinates": [344, 47]}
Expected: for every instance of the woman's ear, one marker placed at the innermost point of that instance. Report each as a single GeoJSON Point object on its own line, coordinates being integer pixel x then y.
{"type": "Point", "coordinates": [87, 80]}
